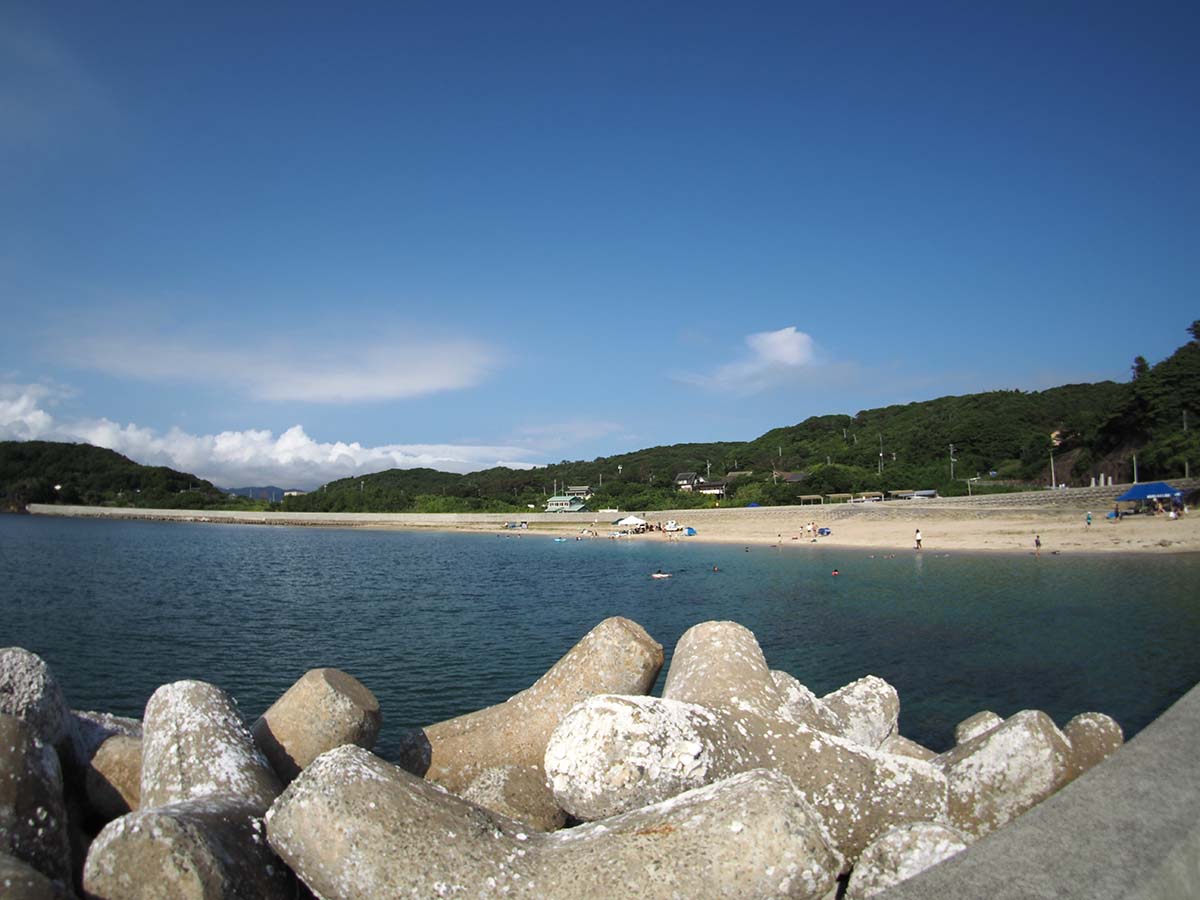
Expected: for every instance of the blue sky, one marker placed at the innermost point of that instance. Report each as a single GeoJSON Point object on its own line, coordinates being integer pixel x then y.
{"type": "Point", "coordinates": [291, 242]}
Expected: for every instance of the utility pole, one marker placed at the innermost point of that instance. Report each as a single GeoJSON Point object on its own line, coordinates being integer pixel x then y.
{"type": "Point", "coordinates": [952, 461]}
{"type": "Point", "coordinates": [1135, 468]}
{"type": "Point", "coordinates": [881, 454]}
{"type": "Point", "coordinates": [707, 469]}
{"type": "Point", "coordinates": [1053, 480]}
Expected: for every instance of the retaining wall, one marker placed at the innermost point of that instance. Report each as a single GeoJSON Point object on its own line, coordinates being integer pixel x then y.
{"type": "Point", "coordinates": [1072, 501]}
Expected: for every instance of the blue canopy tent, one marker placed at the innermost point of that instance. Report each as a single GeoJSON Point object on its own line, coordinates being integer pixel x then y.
{"type": "Point", "coordinates": [1151, 490]}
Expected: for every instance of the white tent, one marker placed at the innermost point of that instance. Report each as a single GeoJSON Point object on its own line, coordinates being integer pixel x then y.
{"type": "Point", "coordinates": [631, 520]}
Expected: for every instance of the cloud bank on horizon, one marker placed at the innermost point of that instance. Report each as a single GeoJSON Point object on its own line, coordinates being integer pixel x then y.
{"type": "Point", "coordinates": [240, 458]}
{"type": "Point", "coordinates": [384, 371]}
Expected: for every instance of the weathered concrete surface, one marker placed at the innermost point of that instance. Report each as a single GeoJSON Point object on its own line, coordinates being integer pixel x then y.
{"type": "Point", "coordinates": [617, 656]}
{"type": "Point", "coordinates": [33, 818]}
{"type": "Point", "coordinates": [901, 854]}
{"type": "Point", "coordinates": [29, 691]}
{"type": "Point", "coordinates": [974, 726]}
{"type": "Point", "coordinates": [1004, 772]}
{"type": "Point", "coordinates": [719, 715]}
{"type": "Point", "coordinates": [1093, 737]}
{"type": "Point", "coordinates": [113, 782]}
{"type": "Point", "coordinates": [519, 792]}
{"type": "Point", "coordinates": [324, 709]}
{"type": "Point", "coordinates": [111, 750]}
{"type": "Point", "coordinates": [353, 826]}
{"type": "Point", "coordinates": [799, 704]}
{"type": "Point", "coordinates": [868, 708]}
{"type": "Point", "coordinates": [204, 790]}
{"type": "Point", "coordinates": [1129, 828]}
{"type": "Point", "coordinates": [208, 848]}
{"type": "Point", "coordinates": [195, 745]}
{"type": "Point", "coordinates": [20, 881]}
{"type": "Point", "coordinates": [94, 728]}
{"type": "Point", "coordinates": [898, 745]}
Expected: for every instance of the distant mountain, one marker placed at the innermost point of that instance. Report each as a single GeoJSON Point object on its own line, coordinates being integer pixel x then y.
{"type": "Point", "coordinates": [270, 493]}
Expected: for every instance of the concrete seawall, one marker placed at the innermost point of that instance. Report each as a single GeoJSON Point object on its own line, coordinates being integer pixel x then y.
{"type": "Point", "coordinates": [1071, 501]}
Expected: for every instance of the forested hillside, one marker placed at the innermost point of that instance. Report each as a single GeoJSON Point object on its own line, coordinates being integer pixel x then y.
{"type": "Point", "coordinates": [1000, 440]}
{"type": "Point", "coordinates": [50, 472]}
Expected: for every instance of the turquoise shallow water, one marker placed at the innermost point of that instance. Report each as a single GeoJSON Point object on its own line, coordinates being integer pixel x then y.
{"type": "Point", "coordinates": [441, 624]}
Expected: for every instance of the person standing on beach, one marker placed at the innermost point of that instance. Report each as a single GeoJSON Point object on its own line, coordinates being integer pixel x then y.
{"type": "Point", "coordinates": [918, 538]}
{"type": "Point", "coordinates": [1089, 521]}
{"type": "Point", "coordinates": [1037, 545]}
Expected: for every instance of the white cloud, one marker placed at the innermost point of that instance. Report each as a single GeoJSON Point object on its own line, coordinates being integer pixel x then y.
{"type": "Point", "coordinates": [774, 358]}
{"type": "Point", "coordinates": [241, 458]}
{"type": "Point", "coordinates": [360, 372]}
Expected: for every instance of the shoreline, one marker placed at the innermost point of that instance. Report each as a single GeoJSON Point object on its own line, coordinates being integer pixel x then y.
{"type": "Point", "coordinates": [880, 527]}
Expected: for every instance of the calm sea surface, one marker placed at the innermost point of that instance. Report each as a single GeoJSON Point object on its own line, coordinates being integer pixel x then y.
{"type": "Point", "coordinates": [441, 624]}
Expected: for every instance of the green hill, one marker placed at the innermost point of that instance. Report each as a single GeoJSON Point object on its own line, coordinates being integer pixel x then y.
{"type": "Point", "coordinates": [50, 472]}
{"type": "Point", "coordinates": [1004, 439]}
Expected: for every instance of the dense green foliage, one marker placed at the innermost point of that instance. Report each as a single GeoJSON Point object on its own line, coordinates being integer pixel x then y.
{"type": "Point", "coordinates": [1002, 440]}
{"type": "Point", "coordinates": [48, 472]}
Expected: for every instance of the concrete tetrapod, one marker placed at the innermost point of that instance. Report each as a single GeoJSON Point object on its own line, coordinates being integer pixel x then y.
{"type": "Point", "coordinates": [112, 748]}
{"type": "Point", "coordinates": [1093, 737]}
{"type": "Point", "coordinates": [902, 853]}
{"type": "Point", "coordinates": [1005, 771]}
{"type": "Point", "coordinates": [353, 826]}
{"type": "Point", "coordinates": [719, 715]}
{"type": "Point", "coordinates": [29, 691]}
{"type": "Point", "coordinates": [519, 792]}
{"type": "Point", "coordinates": [205, 787]}
{"type": "Point", "coordinates": [20, 881]}
{"type": "Point", "coordinates": [617, 656]}
{"type": "Point", "coordinates": [324, 709]}
{"type": "Point", "coordinates": [33, 819]}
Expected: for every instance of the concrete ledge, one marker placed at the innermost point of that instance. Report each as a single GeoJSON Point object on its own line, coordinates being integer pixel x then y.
{"type": "Point", "coordinates": [1129, 828]}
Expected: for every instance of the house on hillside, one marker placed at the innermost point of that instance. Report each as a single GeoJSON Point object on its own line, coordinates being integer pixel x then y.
{"type": "Point", "coordinates": [563, 503]}
{"type": "Point", "coordinates": [789, 477]}
{"type": "Point", "coordinates": [686, 481]}
{"type": "Point", "coordinates": [713, 488]}
{"type": "Point", "coordinates": [582, 491]}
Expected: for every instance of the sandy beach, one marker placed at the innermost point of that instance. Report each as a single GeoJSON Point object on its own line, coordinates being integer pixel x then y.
{"type": "Point", "coordinates": [1009, 532]}
{"type": "Point", "coordinates": [888, 527]}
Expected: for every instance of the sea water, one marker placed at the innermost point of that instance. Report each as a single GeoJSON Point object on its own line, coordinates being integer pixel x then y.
{"type": "Point", "coordinates": [439, 624]}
